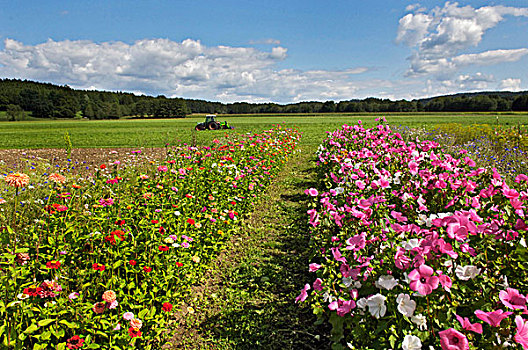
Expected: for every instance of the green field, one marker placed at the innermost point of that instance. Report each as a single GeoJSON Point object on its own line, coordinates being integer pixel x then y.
{"type": "Point", "coordinates": [159, 132]}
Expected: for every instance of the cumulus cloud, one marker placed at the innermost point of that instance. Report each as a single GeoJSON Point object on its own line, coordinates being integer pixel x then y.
{"type": "Point", "coordinates": [188, 69]}
{"type": "Point", "coordinates": [439, 36]}
{"type": "Point", "coordinates": [510, 84]}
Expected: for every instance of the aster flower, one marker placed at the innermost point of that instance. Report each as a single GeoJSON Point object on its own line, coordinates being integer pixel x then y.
{"type": "Point", "coordinates": [17, 180]}
{"type": "Point", "coordinates": [74, 342]}
{"type": "Point", "coordinates": [109, 296]}
{"type": "Point", "coordinates": [99, 307]}
{"type": "Point", "coordinates": [57, 178]}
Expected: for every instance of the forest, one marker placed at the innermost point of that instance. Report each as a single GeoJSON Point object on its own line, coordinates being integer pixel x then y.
{"type": "Point", "coordinates": [45, 100]}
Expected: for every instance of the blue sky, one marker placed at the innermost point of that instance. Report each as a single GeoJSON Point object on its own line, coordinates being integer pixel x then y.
{"type": "Point", "coordinates": [261, 51]}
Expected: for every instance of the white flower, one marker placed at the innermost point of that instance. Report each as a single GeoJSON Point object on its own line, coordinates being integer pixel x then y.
{"type": "Point", "coordinates": [376, 304]}
{"type": "Point", "coordinates": [362, 303]}
{"type": "Point", "coordinates": [411, 244]}
{"type": "Point", "coordinates": [420, 321]}
{"type": "Point", "coordinates": [22, 296]}
{"type": "Point", "coordinates": [411, 342]}
{"type": "Point", "coordinates": [347, 281]}
{"type": "Point", "coordinates": [406, 306]}
{"type": "Point", "coordinates": [386, 281]}
{"type": "Point", "coordinates": [467, 272]}
{"type": "Point", "coordinates": [177, 213]}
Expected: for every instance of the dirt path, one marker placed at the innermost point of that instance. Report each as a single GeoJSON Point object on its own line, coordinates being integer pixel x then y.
{"type": "Point", "coordinates": [247, 301]}
{"type": "Point", "coordinates": [82, 160]}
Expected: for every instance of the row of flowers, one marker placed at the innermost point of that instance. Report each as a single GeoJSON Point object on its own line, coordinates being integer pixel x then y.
{"type": "Point", "coordinates": [105, 261]}
{"type": "Point", "coordinates": [415, 248]}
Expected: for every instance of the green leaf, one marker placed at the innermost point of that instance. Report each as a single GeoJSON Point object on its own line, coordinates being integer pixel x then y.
{"type": "Point", "coordinates": [31, 328]}
{"type": "Point", "coordinates": [45, 322]}
{"type": "Point", "coordinates": [392, 340]}
{"type": "Point", "coordinates": [142, 313]}
{"type": "Point", "coordinates": [61, 346]}
{"type": "Point", "coordinates": [68, 324]}
{"type": "Point", "coordinates": [46, 335]}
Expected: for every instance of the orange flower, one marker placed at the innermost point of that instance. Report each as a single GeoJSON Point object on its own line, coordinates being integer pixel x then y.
{"type": "Point", "coordinates": [17, 180]}
{"type": "Point", "coordinates": [57, 178]}
{"type": "Point", "coordinates": [136, 323]}
{"type": "Point", "coordinates": [109, 296]}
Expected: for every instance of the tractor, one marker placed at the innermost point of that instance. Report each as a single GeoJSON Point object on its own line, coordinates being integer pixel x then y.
{"type": "Point", "coordinates": [211, 124]}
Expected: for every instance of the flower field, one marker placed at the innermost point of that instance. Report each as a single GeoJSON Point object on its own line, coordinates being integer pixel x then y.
{"type": "Point", "coordinates": [105, 261]}
{"type": "Point", "coordinates": [416, 248]}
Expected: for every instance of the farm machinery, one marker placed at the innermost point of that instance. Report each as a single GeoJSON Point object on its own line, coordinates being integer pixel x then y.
{"type": "Point", "coordinates": [211, 124]}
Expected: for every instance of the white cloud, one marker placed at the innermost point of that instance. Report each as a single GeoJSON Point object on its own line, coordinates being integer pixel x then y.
{"type": "Point", "coordinates": [440, 36]}
{"type": "Point", "coordinates": [510, 84]}
{"type": "Point", "coordinates": [269, 41]}
{"type": "Point", "coordinates": [446, 66]}
{"type": "Point", "coordinates": [188, 68]}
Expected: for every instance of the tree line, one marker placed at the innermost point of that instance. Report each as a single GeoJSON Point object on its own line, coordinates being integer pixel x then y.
{"type": "Point", "coordinates": [45, 100]}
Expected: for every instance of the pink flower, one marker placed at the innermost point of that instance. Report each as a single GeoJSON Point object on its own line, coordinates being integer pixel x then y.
{"type": "Point", "coordinates": [398, 216]}
{"type": "Point", "coordinates": [451, 339]}
{"type": "Point", "coordinates": [314, 217]}
{"type": "Point", "coordinates": [357, 242]}
{"type": "Point", "coordinates": [401, 260]}
{"type": "Point", "coordinates": [162, 168]}
{"type": "Point", "coordinates": [314, 267]}
{"type": "Point", "coordinates": [342, 306]}
{"type": "Point", "coordinates": [337, 255]}
{"type": "Point", "coordinates": [413, 168]}
{"type": "Point", "coordinates": [318, 284]}
{"type": "Point", "coordinates": [512, 299]}
{"type": "Point", "coordinates": [422, 280]}
{"type": "Point", "coordinates": [446, 282]}
{"type": "Point", "coordinates": [521, 336]}
{"type": "Point", "coordinates": [493, 318]}
{"type": "Point", "coordinates": [302, 297]}
{"type": "Point", "coordinates": [459, 226]}
{"type": "Point", "coordinates": [311, 192]}
{"type": "Point", "coordinates": [128, 316]}
{"type": "Point", "coordinates": [468, 326]}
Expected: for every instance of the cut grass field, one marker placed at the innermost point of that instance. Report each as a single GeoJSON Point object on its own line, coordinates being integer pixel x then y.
{"type": "Point", "coordinates": [159, 132]}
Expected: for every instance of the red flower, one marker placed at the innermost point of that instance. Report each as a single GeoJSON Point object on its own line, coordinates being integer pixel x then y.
{"type": "Point", "coordinates": [110, 239]}
{"type": "Point", "coordinates": [99, 267]}
{"type": "Point", "coordinates": [134, 332]}
{"type": "Point", "coordinates": [132, 262]}
{"type": "Point", "coordinates": [119, 234]}
{"type": "Point", "coordinates": [102, 166]}
{"type": "Point", "coordinates": [147, 269]}
{"type": "Point", "coordinates": [120, 222]}
{"type": "Point", "coordinates": [167, 307]}
{"type": "Point", "coordinates": [74, 342]}
{"type": "Point", "coordinates": [163, 248]}
{"type": "Point", "coordinates": [154, 221]}
{"type": "Point", "coordinates": [53, 264]}
{"type": "Point", "coordinates": [190, 221]}
{"type": "Point", "coordinates": [179, 264]}
{"type": "Point", "coordinates": [32, 291]}
{"type": "Point", "coordinates": [161, 230]}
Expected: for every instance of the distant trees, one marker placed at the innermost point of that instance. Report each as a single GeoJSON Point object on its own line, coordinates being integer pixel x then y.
{"type": "Point", "coordinates": [53, 101]}
{"type": "Point", "coordinates": [14, 112]}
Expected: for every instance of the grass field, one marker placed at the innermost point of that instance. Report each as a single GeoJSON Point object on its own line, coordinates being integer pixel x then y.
{"type": "Point", "coordinates": [158, 132]}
